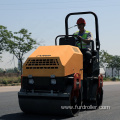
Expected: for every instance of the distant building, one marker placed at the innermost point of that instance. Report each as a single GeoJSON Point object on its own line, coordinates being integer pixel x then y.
{"type": "Point", "coordinates": [109, 72]}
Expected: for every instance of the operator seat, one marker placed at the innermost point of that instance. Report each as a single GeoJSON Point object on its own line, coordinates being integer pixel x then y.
{"type": "Point", "coordinates": [67, 41]}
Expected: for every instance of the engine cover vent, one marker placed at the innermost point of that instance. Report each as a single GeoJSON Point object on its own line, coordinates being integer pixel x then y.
{"type": "Point", "coordinates": [42, 64]}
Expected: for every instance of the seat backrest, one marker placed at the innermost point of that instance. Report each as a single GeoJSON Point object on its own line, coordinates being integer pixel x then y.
{"type": "Point", "coordinates": [67, 41]}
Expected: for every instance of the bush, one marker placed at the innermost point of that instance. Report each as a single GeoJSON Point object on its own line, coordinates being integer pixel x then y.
{"type": "Point", "coordinates": [10, 80]}
{"type": "Point", "coordinates": [4, 82]}
{"type": "Point", "coordinates": [113, 79]}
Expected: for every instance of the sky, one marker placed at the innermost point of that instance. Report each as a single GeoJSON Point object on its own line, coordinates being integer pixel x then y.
{"type": "Point", "coordinates": [45, 19]}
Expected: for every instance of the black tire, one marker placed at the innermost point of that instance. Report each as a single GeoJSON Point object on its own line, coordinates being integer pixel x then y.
{"type": "Point", "coordinates": [100, 97]}
{"type": "Point", "coordinates": [76, 104]}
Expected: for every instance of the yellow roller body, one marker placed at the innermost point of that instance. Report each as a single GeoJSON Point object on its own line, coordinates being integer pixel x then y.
{"type": "Point", "coordinates": [60, 61]}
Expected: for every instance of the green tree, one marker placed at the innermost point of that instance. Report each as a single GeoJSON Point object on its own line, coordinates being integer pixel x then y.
{"type": "Point", "coordinates": [5, 35]}
{"type": "Point", "coordinates": [115, 63]}
{"type": "Point", "coordinates": [104, 57]}
{"type": "Point", "coordinates": [16, 70]}
{"type": "Point", "coordinates": [20, 43]}
{"type": "Point", "coordinates": [110, 60]}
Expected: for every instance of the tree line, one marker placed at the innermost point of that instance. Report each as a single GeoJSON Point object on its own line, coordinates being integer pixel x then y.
{"type": "Point", "coordinates": [109, 61]}
{"type": "Point", "coordinates": [9, 70]}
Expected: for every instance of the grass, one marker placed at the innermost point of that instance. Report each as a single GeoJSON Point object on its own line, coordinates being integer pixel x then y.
{"type": "Point", "coordinates": [5, 80]}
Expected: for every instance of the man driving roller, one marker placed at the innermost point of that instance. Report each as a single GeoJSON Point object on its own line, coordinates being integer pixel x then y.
{"type": "Point", "coordinates": [84, 37]}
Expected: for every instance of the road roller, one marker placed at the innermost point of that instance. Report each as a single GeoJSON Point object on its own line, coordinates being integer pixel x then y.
{"type": "Point", "coordinates": [54, 80]}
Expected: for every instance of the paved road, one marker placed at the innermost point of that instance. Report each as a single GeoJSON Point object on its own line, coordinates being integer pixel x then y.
{"type": "Point", "coordinates": [9, 108]}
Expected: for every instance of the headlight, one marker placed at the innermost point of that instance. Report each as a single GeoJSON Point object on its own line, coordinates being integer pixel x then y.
{"type": "Point", "coordinates": [53, 81]}
{"type": "Point", "coordinates": [31, 81]}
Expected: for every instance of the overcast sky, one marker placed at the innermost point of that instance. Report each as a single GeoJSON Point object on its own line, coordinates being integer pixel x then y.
{"type": "Point", "coordinates": [45, 20]}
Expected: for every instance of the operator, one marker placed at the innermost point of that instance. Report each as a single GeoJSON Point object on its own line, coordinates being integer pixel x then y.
{"type": "Point", "coordinates": [84, 38]}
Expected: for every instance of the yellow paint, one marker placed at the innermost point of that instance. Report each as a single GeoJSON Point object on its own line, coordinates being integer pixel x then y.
{"type": "Point", "coordinates": [70, 61]}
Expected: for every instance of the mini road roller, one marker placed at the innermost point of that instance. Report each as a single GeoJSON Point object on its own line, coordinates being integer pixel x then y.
{"type": "Point", "coordinates": [54, 81]}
